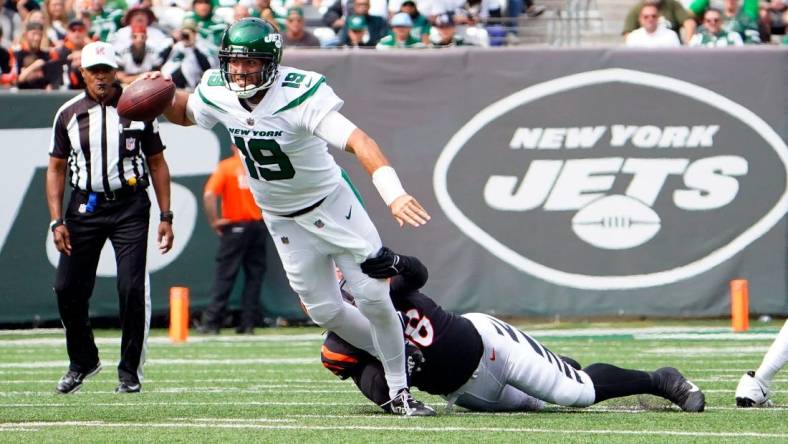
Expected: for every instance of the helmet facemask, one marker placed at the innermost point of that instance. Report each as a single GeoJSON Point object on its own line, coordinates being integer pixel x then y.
{"type": "Point", "coordinates": [253, 82]}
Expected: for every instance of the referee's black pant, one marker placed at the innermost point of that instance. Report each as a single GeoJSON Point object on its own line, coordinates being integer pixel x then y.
{"type": "Point", "coordinates": [124, 222]}
{"type": "Point", "coordinates": [241, 243]}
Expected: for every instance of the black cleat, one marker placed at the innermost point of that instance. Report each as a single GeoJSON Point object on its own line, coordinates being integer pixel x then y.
{"type": "Point", "coordinates": [404, 405]}
{"type": "Point", "coordinates": [675, 387]}
{"type": "Point", "coordinates": [128, 387]}
{"type": "Point", "coordinates": [72, 381]}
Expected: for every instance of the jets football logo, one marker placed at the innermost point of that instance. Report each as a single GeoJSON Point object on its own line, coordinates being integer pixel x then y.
{"type": "Point", "coordinates": [614, 179]}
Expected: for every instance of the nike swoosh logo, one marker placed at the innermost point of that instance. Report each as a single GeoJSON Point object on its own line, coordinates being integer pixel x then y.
{"type": "Point", "coordinates": [693, 387]}
{"type": "Point", "coordinates": [492, 358]}
{"type": "Point", "coordinates": [349, 212]}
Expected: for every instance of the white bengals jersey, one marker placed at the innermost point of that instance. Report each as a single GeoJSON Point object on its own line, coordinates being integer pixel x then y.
{"type": "Point", "coordinates": [288, 166]}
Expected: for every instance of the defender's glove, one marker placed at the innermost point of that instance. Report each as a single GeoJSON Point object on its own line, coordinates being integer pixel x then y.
{"type": "Point", "coordinates": [385, 265]}
{"type": "Point", "coordinates": [414, 362]}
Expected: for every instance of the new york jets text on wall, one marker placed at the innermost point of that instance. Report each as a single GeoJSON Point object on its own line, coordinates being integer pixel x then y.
{"type": "Point", "coordinates": [541, 175]}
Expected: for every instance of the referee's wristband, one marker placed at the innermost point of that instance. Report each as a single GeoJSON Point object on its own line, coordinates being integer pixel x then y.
{"type": "Point", "coordinates": [386, 181]}
{"type": "Point", "coordinates": [55, 223]}
{"type": "Point", "coordinates": [166, 216]}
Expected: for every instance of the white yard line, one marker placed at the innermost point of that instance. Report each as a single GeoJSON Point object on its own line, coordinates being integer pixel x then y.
{"type": "Point", "coordinates": [147, 403]}
{"type": "Point", "coordinates": [184, 361]}
{"type": "Point", "coordinates": [397, 428]}
{"type": "Point", "coordinates": [306, 339]}
{"type": "Point", "coordinates": [645, 333]}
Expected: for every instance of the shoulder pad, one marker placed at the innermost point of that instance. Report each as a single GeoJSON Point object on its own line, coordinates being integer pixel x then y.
{"type": "Point", "coordinates": [297, 86]}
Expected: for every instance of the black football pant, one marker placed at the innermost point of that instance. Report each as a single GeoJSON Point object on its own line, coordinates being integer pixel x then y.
{"type": "Point", "coordinates": [125, 223]}
{"type": "Point", "coordinates": [241, 243]}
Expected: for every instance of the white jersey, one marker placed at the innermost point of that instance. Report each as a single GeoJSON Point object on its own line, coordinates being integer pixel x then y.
{"type": "Point", "coordinates": [288, 166]}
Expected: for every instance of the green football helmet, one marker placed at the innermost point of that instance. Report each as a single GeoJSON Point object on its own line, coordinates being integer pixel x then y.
{"type": "Point", "coordinates": [251, 38]}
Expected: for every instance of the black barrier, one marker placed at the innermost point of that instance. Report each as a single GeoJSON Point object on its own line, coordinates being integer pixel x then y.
{"type": "Point", "coordinates": [574, 182]}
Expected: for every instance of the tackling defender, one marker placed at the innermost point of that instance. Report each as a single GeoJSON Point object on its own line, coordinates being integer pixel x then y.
{"type": "Point", "coordinates": [484, 364]}
{"type": "Point", "coordinates": [281, 118]}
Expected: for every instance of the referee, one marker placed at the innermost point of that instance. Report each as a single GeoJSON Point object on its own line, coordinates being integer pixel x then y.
{"type": "Point", "coordinates": [110, 161]}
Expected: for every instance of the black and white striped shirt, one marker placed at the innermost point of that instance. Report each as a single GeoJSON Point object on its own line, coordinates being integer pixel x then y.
{"type": "Point", "coordinates": [104, 150]}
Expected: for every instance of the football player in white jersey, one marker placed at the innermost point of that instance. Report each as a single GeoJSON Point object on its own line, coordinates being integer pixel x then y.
{"type": "Point", "coordinates": [282, 119]}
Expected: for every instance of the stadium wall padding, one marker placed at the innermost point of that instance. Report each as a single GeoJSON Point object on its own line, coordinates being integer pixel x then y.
{"type": "Point", "coordinates": [573, 182]}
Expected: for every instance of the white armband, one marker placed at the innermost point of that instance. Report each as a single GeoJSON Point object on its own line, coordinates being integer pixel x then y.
{"type": "Point", "coordinates": [386, 181]}
{"type": "Point", "coordinates": [335, 129]}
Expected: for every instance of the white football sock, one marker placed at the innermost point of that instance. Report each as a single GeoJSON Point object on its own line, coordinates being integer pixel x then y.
{"type": "Point", "coordinates": [353, 327]}
{"type": "Point", "coordinates": [775, 358]}
{"type": "Point", "coordinates": [387, 336]}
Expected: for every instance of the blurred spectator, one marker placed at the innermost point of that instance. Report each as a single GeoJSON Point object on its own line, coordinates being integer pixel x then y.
{"type": "Point", "coordinates": [650, 34]}
{"type": "Point", "coordinates": [224, 10]}
{"type": "Point", "coordinates": [209, 27]}
{"type": "Point", "coordinates": [24, 7]}
{"type": "Point", "coordinates": [735, 18]}
{"type": "Point", "coordinates": [334, 17]}
{"type": "Point", "coordinates": [104, 20]}
{"type": "Point", "coordinates": [190, 58]}
{"type": "Point", "coordinates": [63, 71]}
{"type": "Point", "coordinates": [711, 33]}
{"type": "Point", "coordinates": [775, 14]}
{"type": "Point", "coordinates": [337, 14]}
{"type": "Point", "coordinates": [240, 12]}
{"type": "Point", "coordinates": [30, 45]}
{"type": "Point", "coordinates": [295, 34]}
{"type": "Point", "coordinates": [31, 73]}
{"type": "Point", "coordinates": [514, 8]}
{"type": "Point", "coordinates": [56, 19]}
{"type": "Point", "coordinates": [376, 26]}
{"type": "Point", "coordinates": [471, 12]}
{"type": "Point", "coordinates": [447, 35]}
{"type": "Point", "coordinates": [7, 75]}
{"type": "Point", "coordinates": [742, 20]}
{"type": "Point", "coordinates": [262, 9]}
{"type": "Point", "coordinates": [10, 23]}
{"type": "Point", "coordinates": [357, 35]}
{"type": "Point", "coordinates": [140, 17]}
{"type": "Point", "coordinates": [421, 26]}
{"type": "Point", "coordinates": [672, 16]}
{"type": "Point", "coordinates": [37, 16]}
{"type": "Point", "coordinates": [138, 57]}
{"type": "Point", "coordinates": [400, 36]}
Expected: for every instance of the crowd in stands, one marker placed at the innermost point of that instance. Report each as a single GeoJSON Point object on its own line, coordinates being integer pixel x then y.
{"type": "Point", "coordinates": [41, 40]}
{"type": "Point", "coordinates": [705, 23]}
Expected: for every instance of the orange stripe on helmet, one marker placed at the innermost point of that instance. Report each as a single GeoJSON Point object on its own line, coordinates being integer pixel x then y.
{"type": "Point", "coordinates": [334, 356]}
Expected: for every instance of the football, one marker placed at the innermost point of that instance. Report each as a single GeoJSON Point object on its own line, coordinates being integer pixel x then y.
{"type": "Point", "coordinates": [146, 99]}
{"type": "Point", "coordinates": [616, 222]}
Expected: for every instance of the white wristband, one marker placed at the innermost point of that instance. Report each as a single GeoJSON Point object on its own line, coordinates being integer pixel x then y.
{"type": "Point", "coordinates": [386, 181]}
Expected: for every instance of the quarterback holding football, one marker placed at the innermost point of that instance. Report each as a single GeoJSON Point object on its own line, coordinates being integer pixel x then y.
{"type": "Point", "coordinates": [282, 120]}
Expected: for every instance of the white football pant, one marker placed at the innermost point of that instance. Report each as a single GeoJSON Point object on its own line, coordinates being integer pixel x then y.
{"type": "Point", "coordinates": [517, 373]}
{"type": "Point", "coordinates": [340, 232]}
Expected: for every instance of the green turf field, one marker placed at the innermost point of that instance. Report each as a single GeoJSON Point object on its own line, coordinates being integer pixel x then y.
{"type": "Point", "coordinates": [271, 388]}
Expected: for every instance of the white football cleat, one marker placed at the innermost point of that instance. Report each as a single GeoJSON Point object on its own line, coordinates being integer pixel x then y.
{"type": "Point", "coordinates": [752, 392]}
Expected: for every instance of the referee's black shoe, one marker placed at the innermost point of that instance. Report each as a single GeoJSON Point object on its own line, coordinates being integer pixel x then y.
{"type": "Point", "coordinates": [128, 387]}
{"type": "Point", "coordinates": [72, 381]}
